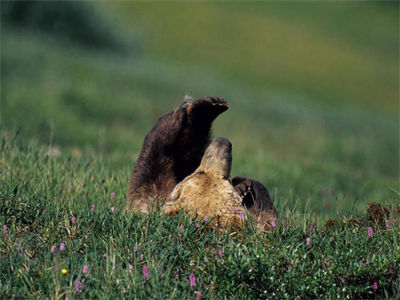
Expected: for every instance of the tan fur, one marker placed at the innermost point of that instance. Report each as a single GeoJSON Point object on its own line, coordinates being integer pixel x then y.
{"type": "Point", "coordinates": [208, 191]}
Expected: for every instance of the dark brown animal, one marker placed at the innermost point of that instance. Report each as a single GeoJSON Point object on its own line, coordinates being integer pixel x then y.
{"type": "Point", "coordinates": [172, 150]}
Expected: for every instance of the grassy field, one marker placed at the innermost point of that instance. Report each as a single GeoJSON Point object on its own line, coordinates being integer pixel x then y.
{"type": "Point", "coordinates": [48, 201]}
{"type": "Point", "coordinates": [313, 94]}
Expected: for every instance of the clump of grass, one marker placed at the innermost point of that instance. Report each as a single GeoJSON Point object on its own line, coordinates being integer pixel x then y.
{"type": "Point", "coordinates": [61, 238]}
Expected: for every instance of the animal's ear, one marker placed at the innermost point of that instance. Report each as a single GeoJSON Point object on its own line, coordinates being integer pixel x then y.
{"type": "Point", "coordinates": [175, 194]}
{"type": "Point", "coordinates": [171, 208]}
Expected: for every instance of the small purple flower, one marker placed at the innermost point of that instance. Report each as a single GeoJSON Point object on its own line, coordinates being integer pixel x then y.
{"type": "Point", "coordinates": [220, 253]}
{"type": "Point", "coordinates": [112, 195]}
{"type": "Point", "coordinates": [205, 218]}
{"type": "Point", "coordinates": [85, 269]}
{"type": "Point", "coordinates": [197, 225]}
{"type": "Point", "coordinates": [241, 215]}
{"type": "Point", "coordinates": [5, 229]}
{"type": "Point", "coordinates": [198, 295]}
{"type": "Point", "coordinates": [181, 227]}
{"type": "Point", "coordinates": [375, 285]}
{"type": "Point", "coordinates": [387, 224]}
{"type": "Point", "coordinates": [93, 207]}
{"type": "Point", "coordinates": [308, 241]}
{"type": "Point", "coordinates": [192, 280]}
{"type": "Point", "coordinates": [53, 249]}
{"type": "Point", "coordinates": [141, 257]}
{"type": "Point", "coordinates": [135, 249]}
{"type": "Point", "coordinates": [78, 286]}
{"type": "Point", "coordinates": [62, 246]}
{"type": "Point", "coordinates": [370, 232]}
{"type": "Point", "coordinates": [234, 209]}
{"type": "Point", "coordinates": [130, 269]}
{"type": "Point", "coordinates": [273, 224]}
{"type": "Point", "coordinates": [73, 220]}
{"type": "Point", "coordinates": [112, 208]}
{"type": "Point", "coordinates": [145, 272]}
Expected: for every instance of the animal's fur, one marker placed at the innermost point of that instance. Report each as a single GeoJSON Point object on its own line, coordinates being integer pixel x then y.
{"type": "Point", "coordinates": [172, 150]}
{"type": "Point", "coordinates": [257, 200]}
{"type": "Point", "coordinates": [208, 191]}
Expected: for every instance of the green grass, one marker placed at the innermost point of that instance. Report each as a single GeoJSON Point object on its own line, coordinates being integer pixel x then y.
{"type": "Point", "coordinates": [313, 93]}
{"type": "Point", "coordinates": [40, 194]}
{"type": "Point", "coordinates": [82, 103]}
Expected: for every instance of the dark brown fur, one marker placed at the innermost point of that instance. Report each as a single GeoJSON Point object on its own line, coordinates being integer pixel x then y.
{"type": "Point", "coordinates": [257, 200]}
{"type": "Point", "coordinates": [172, 150]}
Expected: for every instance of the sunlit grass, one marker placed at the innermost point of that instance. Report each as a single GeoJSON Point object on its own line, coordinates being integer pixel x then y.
{"type": "Point", "coordinates": [83, 103]}
{"type": "Point", "coordinates": [65, 234]}
{"type": "Point", "coordinates": [312, 89]}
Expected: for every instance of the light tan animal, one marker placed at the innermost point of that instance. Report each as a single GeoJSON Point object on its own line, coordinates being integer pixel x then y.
{"type": "Point", "coordinates": [208, 191]}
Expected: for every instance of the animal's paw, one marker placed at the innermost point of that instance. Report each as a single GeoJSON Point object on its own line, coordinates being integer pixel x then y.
{"type": "Point", "coordinates": [243, 186]}
{"type": "Point", "coordinates": [206, 107]}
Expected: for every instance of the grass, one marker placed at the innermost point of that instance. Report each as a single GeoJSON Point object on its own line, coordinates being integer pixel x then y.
{"type": "Point", "coordinates": [84, 104]}
{"type": "Point", "coordinates": [40, 194]}
{"type": "Point", "coordinates": [313, 115]}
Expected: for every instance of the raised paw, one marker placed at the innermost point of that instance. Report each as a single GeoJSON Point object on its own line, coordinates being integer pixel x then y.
{"type": "Point", "coordinates": [242, 185]}
{"type": "Point", "coordinates": [205, 108]}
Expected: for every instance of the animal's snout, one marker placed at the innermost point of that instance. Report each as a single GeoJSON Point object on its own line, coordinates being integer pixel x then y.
{"type": "Point", "coordinates": [223, 142]}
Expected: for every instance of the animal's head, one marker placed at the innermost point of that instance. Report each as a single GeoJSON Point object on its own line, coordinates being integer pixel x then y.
{"type": "Point", "coordinates": [217, 158]}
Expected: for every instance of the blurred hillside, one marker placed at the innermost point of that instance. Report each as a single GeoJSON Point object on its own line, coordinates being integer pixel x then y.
{"type": "Point", "coordinates": [312, 87]}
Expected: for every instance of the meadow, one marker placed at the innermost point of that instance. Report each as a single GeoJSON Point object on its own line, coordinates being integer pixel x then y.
{"type": "Point", "coordinates": [313, 115]}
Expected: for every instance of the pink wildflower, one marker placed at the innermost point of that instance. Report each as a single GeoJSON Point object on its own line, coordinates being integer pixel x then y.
{"type": "Point", "coordinates": [135, 249]}
{"type": "Point", "coordinates": [181, 227]}
{"type": "Point", "coordinates": [220, 253]}
{"type": "Point", "coordinates": [273, 224]}
{"type": "Point", "coordinates": [53, 248]}
{"type": "Point", "coordinates": [308, 241]}
{"type": "Point", "coordinates": [73, 220]}
{"type": "Point", "coordinates": [93, 207]}
{"type": "Point", "coordinates": [62, 246]}
{"type": "Point", "coordinates": [112, 208]}
{"type": "Point", "coordinates": [78, 286]}
{"type": "Point", "coordinates": [375, 285]}
{"type": "Point", "coordinates": [370, 232]}
{"type": "Point", "coordinates": [198, 225]}
{"type": "Point", "coordinates": [145, 272]}
{"type": "Point", "coordinates": [205, 218]}
{"type": "Point", "coordinates": [85, 269]}
{"type": "Point", "coordinates": [5, 229]}
{"type": "Point", "coordinates": [198, 295]}
{"type": "Point", "coordinates": [192, 280]}
{"type": "Point", "coordinates": [112, 195]}
{"type": "Point", "coordinates": [387, 224]}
